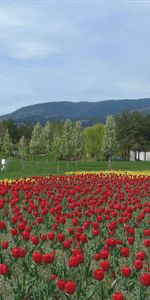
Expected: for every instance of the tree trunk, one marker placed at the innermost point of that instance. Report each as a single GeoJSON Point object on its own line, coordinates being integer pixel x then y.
{"type": "Point", "coordinates": [67, 164]}
{"type": "Point", "coordinates": [37, 160]}
{"type": "Point", "coordinates": [109, 163]}
{"type": "Point", "coordinates": [76, 160]}
{"type": "Point", "coordinates": [57, 166]}
{"type": "Point", "coordinates": [23, 164]}
{"type": "Point", "coordinates": [128, 153]}
{"type": "Point", "coordinates": [135, 155]}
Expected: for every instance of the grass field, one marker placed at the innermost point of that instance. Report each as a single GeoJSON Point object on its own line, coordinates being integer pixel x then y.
{"type": "Point", "coordinates": [16, 168]}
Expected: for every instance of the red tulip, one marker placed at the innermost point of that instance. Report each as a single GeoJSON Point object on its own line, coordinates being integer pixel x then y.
{"type": "Point", "coordinates": [2, 225]}
{"type": "Point", "coordinates": [105, 265]}
{"type": "Point", "coordinates": [99, 274]}
{"type": "Point", "coordinates": [147, 243]}
{"type": "Point", "coordinates": [61, 284]}
{"type": "Point", "coordinates": [51, 236]}
{"type": "Point", "coordinates": [126, 271]}
{"type": "Point", "coordinates": [145, 279]}
{"type": "Point", "coordinates": [118, 296]}
{"type": "Point", "coordinates": [5, 245]}
{"type": "Point", "coordinates": [16, 252]}
{"type": "Point", "coordinates": [125, 252]}
{"type": "Point", "coordinates": [140, 255]}
{"type": "Point", "coordinates": [130, 240]}
{"type": "Point", "coordinates": [53, 276]}
{"type": "Point", "coordinates": [4, 269]}
{"type": "Point", "coordinates": [37, 257]}
{"type": "Point", "coordinates": [70, 287]}
{"type": "Point", "coordinates": [61, 237]}
{"type": "Point", "coordinates": [138, 264]}
{"type": "Point", "coordinates": [34, 240]}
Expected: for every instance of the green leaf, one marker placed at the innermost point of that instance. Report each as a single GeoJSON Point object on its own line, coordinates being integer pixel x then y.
{"type": "Point", "coordinates": [113, 286]}
{"type": "Point", "coordinates": [90, 295]}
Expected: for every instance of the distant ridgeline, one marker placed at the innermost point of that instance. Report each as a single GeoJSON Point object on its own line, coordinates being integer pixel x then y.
{"type": "Point", "coordinates": [87, 112]}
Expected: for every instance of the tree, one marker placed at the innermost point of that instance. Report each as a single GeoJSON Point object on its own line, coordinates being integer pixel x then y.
{"type": "Point", "coordinates": [26, 131]}
{"type": "Point", "coordinates": [77, 140]}
{"type": "Point", "coordinates": [12, 129]}
{"type": "Point", "coordinates": [133, 132]}
{"type": "Point", "coordinates": [35, 144]}
{"type": "Point", "coordinates": [67, 140]}
{"type": "Point", "coordinates": [56, 128]}
{"type": "Point", "coordinates": [2, 133]}
{"type": "Point", "coordinates": [88, 142]}
{"type": "Point", "coordinates": [123, 131]}
{"type": "Point", "coordinates": [23, 148]}
{"type": "Point", "coordinates": [93, 137]}
{"type": "Point", "coordinates": [109, 144]}
{"type": "Point", "coordinates": [46, 138]}
{"type": "Point", "coordinates": [7, 146]}
{"type": "Point", "coordinates": [56, 149]}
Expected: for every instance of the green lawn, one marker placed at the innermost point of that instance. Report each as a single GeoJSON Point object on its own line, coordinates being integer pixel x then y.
{"type": "Point", "coordinates": [17, 169]}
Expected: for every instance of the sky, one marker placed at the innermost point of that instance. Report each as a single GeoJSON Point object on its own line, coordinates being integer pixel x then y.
{"type": "Point", "coordinates": [73, 50]}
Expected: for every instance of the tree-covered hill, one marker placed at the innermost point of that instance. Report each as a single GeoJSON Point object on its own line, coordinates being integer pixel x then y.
{"type": "Point", "coordinates": [88, 112]}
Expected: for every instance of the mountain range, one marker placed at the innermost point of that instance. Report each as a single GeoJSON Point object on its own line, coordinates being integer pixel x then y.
{"type": "Point", "coordinates": [88, 112]}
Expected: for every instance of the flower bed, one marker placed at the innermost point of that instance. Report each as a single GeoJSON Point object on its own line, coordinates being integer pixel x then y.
{"type": "Point", "coordinates": [79, 236]}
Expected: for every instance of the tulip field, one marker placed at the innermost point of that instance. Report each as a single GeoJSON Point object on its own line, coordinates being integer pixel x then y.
{"type": "Point", "coordinates": [75, 236]}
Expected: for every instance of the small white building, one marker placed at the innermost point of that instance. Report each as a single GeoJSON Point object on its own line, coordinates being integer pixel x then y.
{"type": "Point", "coordinates": [3, 164]}
{"type": "Point", "coordinates": [140, 155]}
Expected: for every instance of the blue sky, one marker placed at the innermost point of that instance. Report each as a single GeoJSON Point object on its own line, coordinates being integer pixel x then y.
{"type": "Point", "coordinates": [73, 50]}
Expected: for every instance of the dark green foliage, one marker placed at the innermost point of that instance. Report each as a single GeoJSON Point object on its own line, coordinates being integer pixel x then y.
{"type": "Point", "coordinates": [133, 132]}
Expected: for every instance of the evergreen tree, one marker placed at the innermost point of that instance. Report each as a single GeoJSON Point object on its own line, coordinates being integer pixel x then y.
{"type": "Point", "coordinates": [35, 144]}
{"type": "Point", "coordinates": [109, 144]}
{"type": "Point", "coordinates": [124, 129]}
{"type": "Point", "coordinates": [133, 132]}
{"type": "Point", "coordinates": [12, 129]}
{"type": "Point", "coordinates": [7, 146]}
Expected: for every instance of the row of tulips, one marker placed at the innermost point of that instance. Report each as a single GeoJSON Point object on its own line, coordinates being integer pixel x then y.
{"type": "Point", "coordinates": [79, 236]}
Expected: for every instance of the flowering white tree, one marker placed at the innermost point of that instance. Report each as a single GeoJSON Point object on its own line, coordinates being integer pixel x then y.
{"type": "Point", "coordinates": [77, 137]}
{"type": "Point", "coordinates": [46, 138]}
{"type": "Point", "coordinates": [7, 146]}
{"type": "Point", "coordinates": [109, 144]}
{"type": "Point", "coordinates": [56, 148]}
{"type": "Point", "coordinates": [67, 140]}
{"type": "Point", "coordinates": [23, 148]}
{"type": "Point", "coordinates": [35, 144]}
